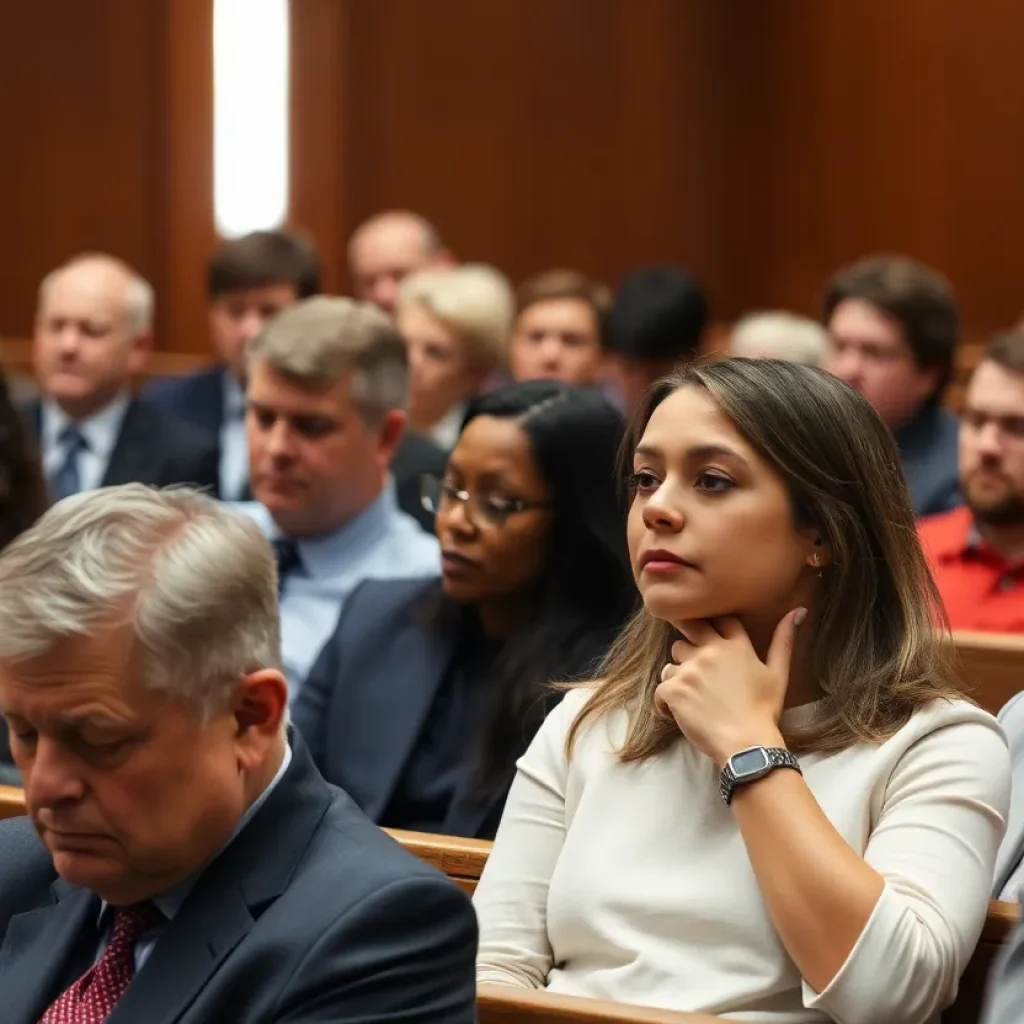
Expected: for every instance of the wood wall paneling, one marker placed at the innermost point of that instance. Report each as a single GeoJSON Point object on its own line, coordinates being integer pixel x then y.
{"type": "Point", "coordinates": [107, 134]}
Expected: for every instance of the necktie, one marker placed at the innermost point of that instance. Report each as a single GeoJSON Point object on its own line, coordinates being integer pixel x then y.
{"type": "Point", "coordinates": [66, 480]}
{"type": "Point", "coordinates": [286, 551]}
{"type": "Point", "coordinates": [92, 998]}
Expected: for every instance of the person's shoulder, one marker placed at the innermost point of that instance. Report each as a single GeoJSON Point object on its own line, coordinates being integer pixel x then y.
{"type": "Point", "coordinates": [355, 859]}
{"type": "Point", "coordinates": [955, 725]}
{"type": "Point", "coordinates": [418, 454]}
{"type": "Point", "coordinates": [169, 391]}
{"type": "Point", "coordinates": [28, 870]}
{"type": "Point", "coordinates": [168, 426]}
{"type": "Point", "coordinates": [938, 531]}
{"type": "Point", "coordinates": [393, 593]}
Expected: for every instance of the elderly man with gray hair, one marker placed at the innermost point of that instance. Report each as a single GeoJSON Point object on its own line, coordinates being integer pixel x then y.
{"type": "Point", "coordinates": [93, 333]}
{"type": "Point", "coordinates": [182, 859]}
{"type": "Point", "coordinates": [327, 383]}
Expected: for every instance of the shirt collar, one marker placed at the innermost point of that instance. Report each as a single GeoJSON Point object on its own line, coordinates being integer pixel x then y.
{"type": "Point", "coordinates": [446, 431]}
{"type": "Point", "coordinates": [234, 396]}
{"type": "Point", "coordinates": [171, 901]}
{"type": "Point", "coordinates": [326, 556]}
{"type": "Point", "coordinates": [100, 430]}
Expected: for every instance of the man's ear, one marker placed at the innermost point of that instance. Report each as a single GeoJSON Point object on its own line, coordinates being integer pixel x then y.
{"type": "Point", "coordinates": [390, 433]}
{"type": "Point", "coordinates": [259, 704]}
{"type": "Point", "coordinates": [141, 347]}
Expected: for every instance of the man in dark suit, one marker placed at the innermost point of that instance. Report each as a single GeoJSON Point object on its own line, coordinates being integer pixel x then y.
{"type": "Point", "coordinates": [93, 333]}
{"type": "Point", "coordinates": [249, 280]}
{"type": "Point", "coordinates": [187, 863]}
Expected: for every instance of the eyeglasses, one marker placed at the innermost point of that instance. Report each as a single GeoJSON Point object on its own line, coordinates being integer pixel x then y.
{"type": "Point", "coordinates": [439, 495]}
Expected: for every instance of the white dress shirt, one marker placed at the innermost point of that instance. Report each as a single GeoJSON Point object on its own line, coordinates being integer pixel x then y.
{"type": "Point", "coordinates": [445, 432]}
{"type": "Point", "coordinates": [382, 542]}
{"type": "Point", "coordinates": [632, 882]}
{"type": "Point", "coordinates": [234, 445]}
{"type": "Point", "coordinates": [100, 431]}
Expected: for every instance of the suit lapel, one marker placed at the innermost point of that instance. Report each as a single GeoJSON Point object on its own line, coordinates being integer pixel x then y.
{"type": "Point", "coordinates": [229, 897]}
{"type": "Point", "coordinates": [36, 957]}
{"type": "Point", "coordinates": [375, 729]}
{"type": "Point", "coordinates": [133, 458]}
{"type": "Point", "coordinates": [188, 952]}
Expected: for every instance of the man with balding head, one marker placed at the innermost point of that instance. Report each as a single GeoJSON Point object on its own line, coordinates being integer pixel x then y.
{"type": "Point", "coordinates": [93, 333]}
{"type": "Point", "coordinates": [386, 249]}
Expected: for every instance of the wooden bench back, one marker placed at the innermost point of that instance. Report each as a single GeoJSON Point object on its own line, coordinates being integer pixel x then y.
{"type": "Point", "coordinates": [1000, 922]}
{"type": "Point", "coordinates": [991, 666]}
{"type": "Point", "coordinates": [460, 859]}
{"type": "Point", "coordinates": [498, 1004]}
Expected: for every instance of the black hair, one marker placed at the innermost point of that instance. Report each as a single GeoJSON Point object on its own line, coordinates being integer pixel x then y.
{"type": "Point", "coordinates": [262, 258]}
{"type": "Point", "coordinates": [587, 592]}
{"type": "Point", "coordinates": [658, 313]}
{"type": "Point", "coordinates": [23, 497]}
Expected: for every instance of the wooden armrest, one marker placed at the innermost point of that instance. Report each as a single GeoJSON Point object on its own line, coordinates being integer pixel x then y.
{"type": "Point", "coordinates": [1000, 921]}
{"type": "Point", "coordinates": [503, 1004]}
{"type": "Point", "coordinates": [455, 856]}
{"type": "Point", "coordinates": [12, 802]}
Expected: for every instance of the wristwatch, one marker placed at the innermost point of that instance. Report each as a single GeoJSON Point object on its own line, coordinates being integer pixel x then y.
{"type": "Point", "coordinates": [753, 763]}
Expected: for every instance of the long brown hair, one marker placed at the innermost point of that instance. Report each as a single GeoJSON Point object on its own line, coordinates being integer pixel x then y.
{"type": "Point", "coordinates": [875, 653]}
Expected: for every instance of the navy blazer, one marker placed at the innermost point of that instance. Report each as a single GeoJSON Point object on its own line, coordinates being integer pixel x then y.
{"type": "Point", "coordinates": [199, 399]}
{"type": "Point", "coordinates": [153, 447]}
{"type": "Point", "coordinates": [310, 914]}
{"type": "Point", "coordinates": [364, 704]}
{"type": "Point", "coordinates": [929, 450]}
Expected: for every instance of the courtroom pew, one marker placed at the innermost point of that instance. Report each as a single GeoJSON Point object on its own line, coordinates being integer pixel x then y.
{"type": "Point", "coordinates": [460, 859]}
{"type": "Point", "coordinates": [12, 802]}
{"type": "Point", "coordinates": [499, 1004]}
{"type": "Point", "coordinates": [991, 666]}
{"type": "Point", "coordinates": [1000, 922]}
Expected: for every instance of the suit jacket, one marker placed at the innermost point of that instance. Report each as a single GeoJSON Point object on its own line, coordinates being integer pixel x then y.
{"type": "Point", "coordinates": [154, 448]}
{"type": "Point", "coordinates": [1009, 867]}
{"type": "Point", "coordinates": [366, 700]}
{"type": "Point", "coordinates": [199, 399]}
{"type": "Point", "coordinates": [928, 447]}
{"type": "Point", "coordinates": [311, 914]}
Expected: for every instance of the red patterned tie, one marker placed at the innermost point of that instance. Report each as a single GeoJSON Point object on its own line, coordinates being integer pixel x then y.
{"type": "Point", "coordinates": [92, 998]}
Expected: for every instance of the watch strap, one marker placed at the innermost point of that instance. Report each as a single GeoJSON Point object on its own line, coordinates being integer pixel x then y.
{"type": "Point", "coordinates": [778, 757]}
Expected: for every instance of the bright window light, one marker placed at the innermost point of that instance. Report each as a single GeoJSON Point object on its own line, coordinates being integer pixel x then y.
{"type": "Point", "coordinates": [250, 110]}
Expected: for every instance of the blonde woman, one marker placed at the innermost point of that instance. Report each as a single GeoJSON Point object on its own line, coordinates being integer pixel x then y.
{"type": "Point", "coordinates": [455, 322]}
{"type": "Point", "coordinates": [774, 805]}
{"type": "Point", "coordinates": [780, 335]}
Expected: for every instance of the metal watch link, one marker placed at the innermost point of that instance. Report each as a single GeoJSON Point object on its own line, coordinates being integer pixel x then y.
{"type": "Point", "coordinates": [753, 763]}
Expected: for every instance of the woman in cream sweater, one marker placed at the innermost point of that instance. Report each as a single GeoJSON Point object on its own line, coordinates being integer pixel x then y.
{"type": "Point", "coordinates": [774, 805]}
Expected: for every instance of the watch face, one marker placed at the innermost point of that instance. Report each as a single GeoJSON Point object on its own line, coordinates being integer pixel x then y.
{"type": "Point", "coordinates": [747, 762]}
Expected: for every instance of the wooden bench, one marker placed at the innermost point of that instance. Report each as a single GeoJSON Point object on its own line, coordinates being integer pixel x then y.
{"type": "Point", "coordinates": [12, 802]}
{"type": "Point", "coordinates": [460, 859]}
{"type": "Point", "coordinates": [1000, 922]}
{"type": "Point", "coordinates": [497, 1004]}
{"type": "Point", "coordinates": [991, 666]}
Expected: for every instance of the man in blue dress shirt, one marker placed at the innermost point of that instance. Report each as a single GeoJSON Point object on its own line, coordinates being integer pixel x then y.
{"type": "Point", "coordinates": [327, 382]}
{"type": "Point", "coordinates": [182, 859]}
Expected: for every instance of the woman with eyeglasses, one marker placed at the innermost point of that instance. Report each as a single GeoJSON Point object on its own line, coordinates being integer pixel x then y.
{"type": "Point", "coordinates": [428, 692]}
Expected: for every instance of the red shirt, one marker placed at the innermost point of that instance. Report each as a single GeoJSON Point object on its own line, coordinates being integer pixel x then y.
{"type": "Point", "coordinates": [981, 590]}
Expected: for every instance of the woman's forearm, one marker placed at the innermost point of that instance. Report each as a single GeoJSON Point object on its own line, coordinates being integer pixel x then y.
{"type": "Point", "coordinates": [818, 890]}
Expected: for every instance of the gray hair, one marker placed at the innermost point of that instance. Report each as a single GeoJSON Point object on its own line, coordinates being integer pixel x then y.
{"type": "Point", "coordinates": [139, 300]}
{"type": "Point", "coordinates": [780, 335]}
{"type": "Point", "coordinates": [196, 581]}
{"type": "Point", "coordinates": [319, 340]}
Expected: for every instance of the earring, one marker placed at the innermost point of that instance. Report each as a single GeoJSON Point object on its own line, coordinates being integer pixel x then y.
{"type": "Point", "coordinates": [816, 562]}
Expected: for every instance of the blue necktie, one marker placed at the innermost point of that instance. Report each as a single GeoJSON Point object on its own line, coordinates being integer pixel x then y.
{"type": "Point", "coordinates": [286, 551]}
{"type": "Point", "coordinates": [66, 480]}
